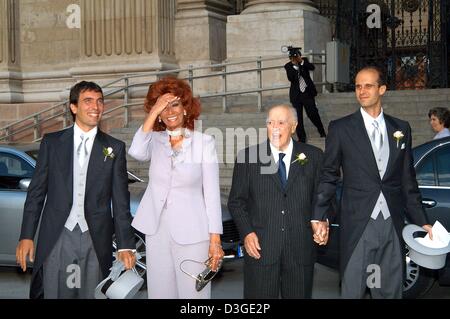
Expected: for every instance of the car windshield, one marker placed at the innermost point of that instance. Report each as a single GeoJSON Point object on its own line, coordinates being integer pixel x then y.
{"type": "Point", "coordinates": [33, 153]}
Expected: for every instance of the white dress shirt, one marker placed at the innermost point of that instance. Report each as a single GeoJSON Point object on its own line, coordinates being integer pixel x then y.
{"type": "Point", "coordinates": [76, 216]}
{"type": "Point", "coordinates": [286, 159]}
{"type": "Point", "coordinates": [77, 132]}
{"type": "Point", "coordinates": [368, 120]}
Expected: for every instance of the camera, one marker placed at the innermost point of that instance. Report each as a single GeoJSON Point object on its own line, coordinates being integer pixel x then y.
{"type": "Point", "coordinates": [293, 51]}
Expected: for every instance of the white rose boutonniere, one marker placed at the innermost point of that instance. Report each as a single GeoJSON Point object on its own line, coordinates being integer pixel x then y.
{"type": "Point", "coordinates": [398, 135]}
{"type": "Point", "coordinates": [301, 158]}
{"type": "Point", "coordinates": [108, 152]}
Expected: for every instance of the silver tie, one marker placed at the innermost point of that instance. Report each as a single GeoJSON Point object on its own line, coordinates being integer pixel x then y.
{"type": "Point", "coordinates": [302, 83]}
{"type": "Point", "coordinates": [82, 151]}
{"type": "Point", "coordinates": [377, 137]}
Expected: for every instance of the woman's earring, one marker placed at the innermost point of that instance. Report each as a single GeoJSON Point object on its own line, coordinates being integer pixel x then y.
{"type": "Point", "coordinates": [185, 113]}
{"type": "Point", "coordinates": [159, 119]}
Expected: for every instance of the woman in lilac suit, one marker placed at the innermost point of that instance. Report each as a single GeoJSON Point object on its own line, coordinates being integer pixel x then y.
{"type": "Point", "coordinates": [180, 212]}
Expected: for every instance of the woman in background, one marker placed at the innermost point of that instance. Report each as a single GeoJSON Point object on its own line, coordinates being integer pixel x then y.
{"type": "Point", "coordinates": [440, 121]}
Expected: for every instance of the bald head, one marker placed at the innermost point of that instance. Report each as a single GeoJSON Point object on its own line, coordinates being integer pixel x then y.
{"type": "Point", "coordinates": [281, 123]}
{"type": "Point", "coordinates": [290, 109]}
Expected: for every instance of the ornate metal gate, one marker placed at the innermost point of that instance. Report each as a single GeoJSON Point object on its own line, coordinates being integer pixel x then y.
{"type": "Point", "coordinates": [411, 44]}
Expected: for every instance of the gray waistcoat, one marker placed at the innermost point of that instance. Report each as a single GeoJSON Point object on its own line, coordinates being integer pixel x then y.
{"type": "Point", "coordinates": [381, 157]}
{"type": "Point", "coordinates": [79, 187]}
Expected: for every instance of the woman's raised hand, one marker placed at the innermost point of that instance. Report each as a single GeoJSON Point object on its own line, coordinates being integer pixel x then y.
{"type": "Point", "coordinates": [161, 103]}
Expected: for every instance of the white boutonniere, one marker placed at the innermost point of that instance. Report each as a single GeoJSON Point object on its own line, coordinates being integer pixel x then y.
{"type": "Point", "coordinates": [398, 135]}
{"type": "Point", "coordinates": [301, 158]}
{"type": "Point", "coordinates": [108, 152]}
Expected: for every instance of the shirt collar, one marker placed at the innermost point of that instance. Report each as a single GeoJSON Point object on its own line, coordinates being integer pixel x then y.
{"type": "Point", "coordinates": [288, 151]}
{"type": "Point", "coordinates": [77, 131]}
{"type": "Point", "coordinates": [368, 119]}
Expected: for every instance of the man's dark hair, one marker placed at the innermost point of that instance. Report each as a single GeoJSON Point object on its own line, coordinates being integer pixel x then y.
{"type": "Point", "coordinates": [79, 88]}
{"type": "Point", "coordinates": [381, 78]}
{"type": "Point", "coordinates": [442, 114]}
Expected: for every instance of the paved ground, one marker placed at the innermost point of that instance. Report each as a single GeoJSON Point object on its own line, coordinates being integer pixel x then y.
{"type": "Point", "coordinates": [14, 285]}
{"type": "Point", "coordinates": [230, 284]}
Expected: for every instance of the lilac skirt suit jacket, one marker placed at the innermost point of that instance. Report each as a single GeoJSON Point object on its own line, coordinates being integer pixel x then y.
{"type": "Point", "coordinates": [186, 186]}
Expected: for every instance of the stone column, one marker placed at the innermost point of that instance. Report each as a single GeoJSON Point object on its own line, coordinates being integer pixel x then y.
{"type": "Point", "coordinates": [10, 84]}
{"type": "Point", "coordinates": [264, 27]}
{"type": "Point", "coordinates": [8, 34]}
{"type": "Point", "coordinates": [254, 6]}
{"type": "Point", "coordinates": [124, 36]}
{"type": "Point", "coordinates": [200, 31]}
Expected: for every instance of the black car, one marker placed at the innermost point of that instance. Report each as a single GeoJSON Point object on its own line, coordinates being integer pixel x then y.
{"type": "Point", "coordinates": [432, 164]}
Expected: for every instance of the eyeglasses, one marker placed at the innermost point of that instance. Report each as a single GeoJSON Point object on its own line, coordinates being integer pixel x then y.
{"type": "Point", "coordinates": [367, 86]}
{"type": "Point", "coordinates": [280, 123]}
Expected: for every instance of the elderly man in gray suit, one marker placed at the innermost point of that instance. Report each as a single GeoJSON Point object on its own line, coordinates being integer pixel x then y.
{"type": "Point", "coordinates": [271, 201]}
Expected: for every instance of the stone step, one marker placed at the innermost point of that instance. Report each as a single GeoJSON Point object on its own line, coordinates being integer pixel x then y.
{"type": "Point", "coordinates": [408, 105]}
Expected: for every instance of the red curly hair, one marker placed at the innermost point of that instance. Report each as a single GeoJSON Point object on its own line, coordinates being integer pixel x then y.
{"type": "Point", "coordinates": [179, 88]}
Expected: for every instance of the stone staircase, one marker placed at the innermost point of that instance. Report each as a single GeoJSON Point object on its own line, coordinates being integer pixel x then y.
{"type": "Point", "coordinates": [412, 106]}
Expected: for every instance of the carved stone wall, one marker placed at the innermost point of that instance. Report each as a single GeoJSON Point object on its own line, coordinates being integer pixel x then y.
{"type": "Point", "coordinates": [201, 31]}
{"type": "Point", "coordinates": [47, 44]}
{"type": "Point", "coordinates": [9, 51]}
{"type": "Point", "coordinates": [42, 55]}
{"type": "Point", "coordinates": [127, 28]}
{"type": "Point", "coordinates": [8, 33]}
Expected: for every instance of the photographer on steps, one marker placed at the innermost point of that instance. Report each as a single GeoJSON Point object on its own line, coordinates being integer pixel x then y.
{"type": "Point", "coordinates": [302, 92]}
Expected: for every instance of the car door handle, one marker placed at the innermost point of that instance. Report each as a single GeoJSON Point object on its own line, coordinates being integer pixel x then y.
{"type": "Point", "coordinates": [428, 203]}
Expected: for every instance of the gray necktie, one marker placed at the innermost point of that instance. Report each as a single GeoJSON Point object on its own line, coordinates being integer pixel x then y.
{"type": "Point", "coordinates": [302, 83]}
{"type": "Point", "coordinates": [82, 151]}
{"type": "Point", "coordinates": [377, 137]}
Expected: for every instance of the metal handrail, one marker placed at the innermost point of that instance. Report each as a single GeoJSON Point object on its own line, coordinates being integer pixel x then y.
{"type": "Point", "coordinates": [29, 117]}
{"type": "Point", "coordinates": [222, 71]}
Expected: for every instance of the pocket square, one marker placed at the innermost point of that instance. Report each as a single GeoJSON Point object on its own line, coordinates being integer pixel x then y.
{"type": "Point", "coordinates": [403, 146]}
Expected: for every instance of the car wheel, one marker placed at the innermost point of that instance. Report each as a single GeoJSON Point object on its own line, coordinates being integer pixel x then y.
{"type": "Point", "coordinates": [418, 280]}
{"type": "Point", "coordinates": [141, 264]}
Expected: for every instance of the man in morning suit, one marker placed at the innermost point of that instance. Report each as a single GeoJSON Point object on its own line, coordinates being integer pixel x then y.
{"type": "Point", "coordinates": [302, 92]}
{"type": "Point", "coordinates": [271, 201]}
{"type": "Point", "coordinates": [79, 173]}
{"type": "Point", "coordinates": [373, 150]}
